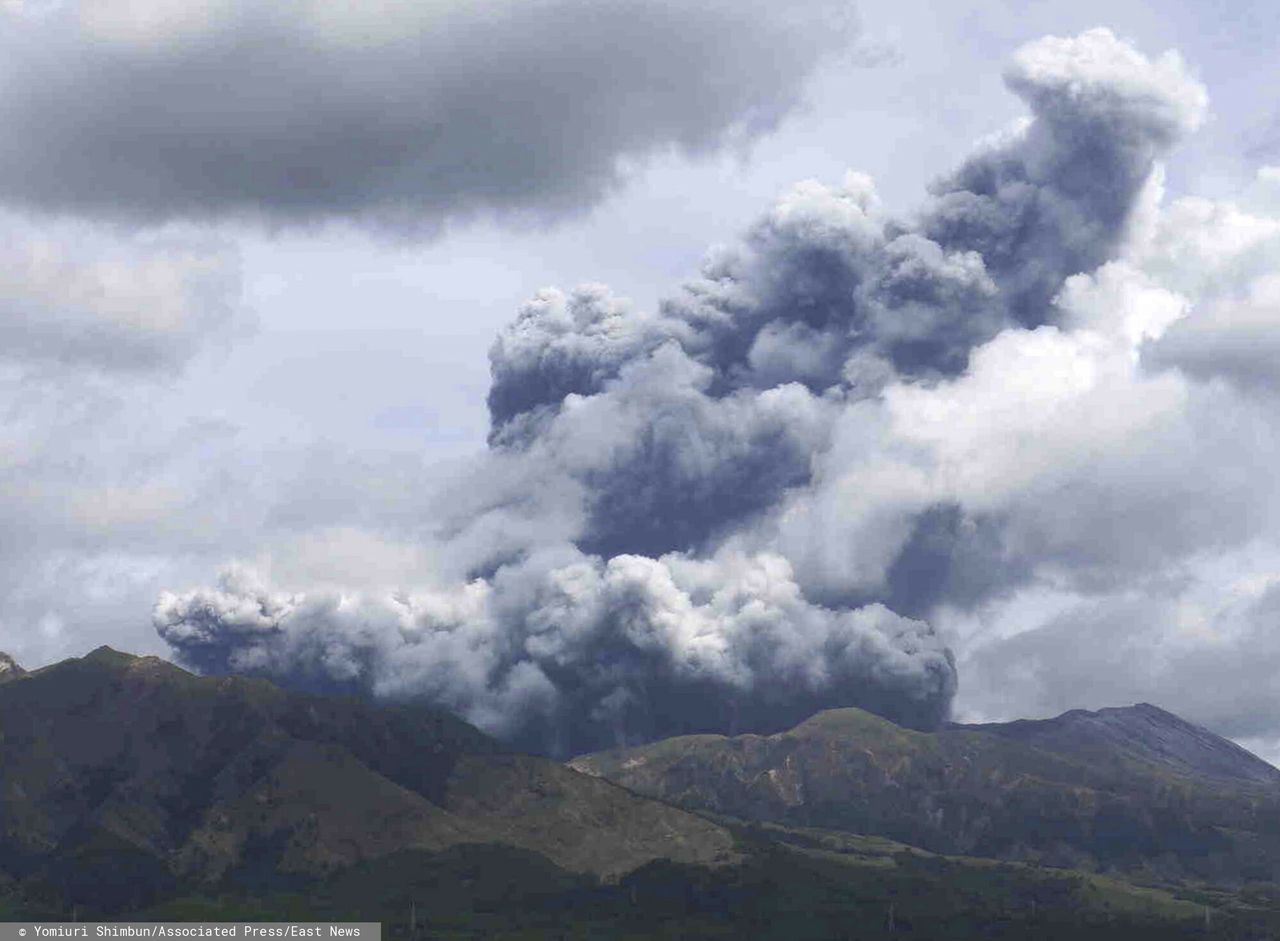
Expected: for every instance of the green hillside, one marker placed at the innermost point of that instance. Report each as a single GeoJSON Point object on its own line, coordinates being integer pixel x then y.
{"type": "Point", "coordinates": [973, 791]}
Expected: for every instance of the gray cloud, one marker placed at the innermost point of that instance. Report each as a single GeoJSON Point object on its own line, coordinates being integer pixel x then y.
{"type": "Point", "coordinates": [77, 296]}
{"type": "Point", "coordinates": [1205, 642]}
{"type": "Point", "coordinates": [396, 113]}
{"type": "Point", "coordinates": [1226, 255]}
{"type": "Point", "coordinates": [95, 325]}
{"type": "Point", "coordinates": [1232, 338]}
{"type": "Point", "coordinates": [763, 497]}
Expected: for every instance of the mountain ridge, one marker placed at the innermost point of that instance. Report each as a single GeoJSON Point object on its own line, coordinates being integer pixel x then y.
{"type": "Point", "coordinates": [1143, 732]}
{"type": "Point", "coordinates": [112, 756]}
{"type": "Point", "coordinates": [112, 764]}
{"type": "Point", "coordinates": [1008, 791]}
{"type": "Point", "coordinates": [129, 785]}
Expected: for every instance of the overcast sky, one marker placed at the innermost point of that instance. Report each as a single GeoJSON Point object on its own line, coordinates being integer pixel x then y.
{"type": "Point", "coordinates": [989, 426]}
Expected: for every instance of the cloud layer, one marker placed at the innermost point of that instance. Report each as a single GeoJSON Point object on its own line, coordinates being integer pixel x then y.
{"type": "Point", "coordinates": [83, 298]}
{"type": "Point", "coordinates": [397, 113]}
{"type": "Point", "coordinates": [852, 438]}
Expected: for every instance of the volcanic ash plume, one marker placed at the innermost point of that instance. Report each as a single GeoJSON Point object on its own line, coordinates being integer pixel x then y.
{"type": "Point", "coordinates": [728, 513]}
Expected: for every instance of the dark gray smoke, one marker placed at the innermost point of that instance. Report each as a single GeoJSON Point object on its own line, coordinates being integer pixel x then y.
{"type": "Point", "coordinates": [707, 518]}
{"type": "Point", "coordinates": [561, 655]}
{"type": "Point", "coordinates": [826, 294]}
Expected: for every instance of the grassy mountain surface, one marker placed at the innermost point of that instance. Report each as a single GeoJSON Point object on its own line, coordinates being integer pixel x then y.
{"type": "Point", "coordinates": [1141, 737]}
{"type": "Point", "coordinates": [787, 885]}
{"type": "Point", "coordinates": [123, 777]}
{"type": "Point", "coordinates": [1130, 790]}
{"type": "Point", "coordinates": [132, 789]}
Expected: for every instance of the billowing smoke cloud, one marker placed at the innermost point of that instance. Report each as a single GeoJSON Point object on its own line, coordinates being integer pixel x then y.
{"type": "Point", "coordinates": [749, 504]}
{"type": "Point", "coordinates": [398, 113]}
{"type": "Point", "coordinates": [558, 654]}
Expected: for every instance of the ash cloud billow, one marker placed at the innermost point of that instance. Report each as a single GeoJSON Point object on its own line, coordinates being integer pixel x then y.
{"type": "Point", "coordinates": [568, 653]}
{"type": "Point", "coordinates": [751, 503]}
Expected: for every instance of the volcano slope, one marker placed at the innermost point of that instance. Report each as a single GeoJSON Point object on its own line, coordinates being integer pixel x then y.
{"type": "Point", "coordinates": [131, 788]}
{"type": "Point", "coordinates": [1135, 790]}
{"type": "Point", "coordinates": [123, 778]}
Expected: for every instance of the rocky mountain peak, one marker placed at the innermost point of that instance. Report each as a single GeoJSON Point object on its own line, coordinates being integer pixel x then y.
{"type": "Point", "coordinates": [1144, 733]}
